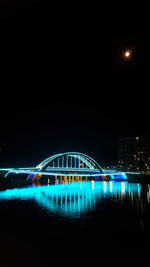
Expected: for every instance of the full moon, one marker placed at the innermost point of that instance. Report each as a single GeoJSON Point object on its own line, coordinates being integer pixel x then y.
{"type": "Point", "coordinates": [127, 54]}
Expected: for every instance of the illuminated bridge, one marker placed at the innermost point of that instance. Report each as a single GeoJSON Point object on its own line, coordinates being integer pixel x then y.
{"type": "Point", "coordinates": [72, 164]}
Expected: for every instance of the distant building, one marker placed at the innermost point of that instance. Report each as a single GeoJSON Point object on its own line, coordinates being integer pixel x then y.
{"type": "Point", "coordinates": [134, 154]}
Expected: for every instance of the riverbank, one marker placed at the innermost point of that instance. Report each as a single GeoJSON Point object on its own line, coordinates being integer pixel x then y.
{"type": "Point", "coordinates": [138, 178]}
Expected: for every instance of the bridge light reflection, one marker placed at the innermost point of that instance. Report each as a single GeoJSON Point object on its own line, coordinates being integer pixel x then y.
{"type": "Point", "coordinates": [123, 187]}
{"type": "Point", "coordinates": [105, 186]}
{"type": "Point", "coordinates": [111, 188]}
{"type": "Point", "coordinates": [73, 199]}
{"type": "Point", "coordinates": [92, 184]}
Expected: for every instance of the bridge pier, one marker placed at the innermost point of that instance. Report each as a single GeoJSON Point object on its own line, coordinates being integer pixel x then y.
{"type": "Point", "coordinates": [36, 178]}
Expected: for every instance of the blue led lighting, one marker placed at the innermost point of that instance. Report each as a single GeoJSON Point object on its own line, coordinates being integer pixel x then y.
{"type": "Point", "coordinates": [88, 161]}
{"type": "Point", "coordinates": [72, 199]}
{"type": "Point", "coordinates": [68, 164]}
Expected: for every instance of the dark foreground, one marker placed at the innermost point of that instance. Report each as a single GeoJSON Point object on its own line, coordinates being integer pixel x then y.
{"type": "Point", "coordinates": [114, 231]}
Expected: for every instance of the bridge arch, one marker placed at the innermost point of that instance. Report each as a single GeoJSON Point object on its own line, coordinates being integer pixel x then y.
{"type": "Point", "coordinates": [74, 160]}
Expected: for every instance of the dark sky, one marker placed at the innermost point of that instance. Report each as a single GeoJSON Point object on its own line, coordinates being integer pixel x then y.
{"type": "Point", "coordinates": [64, 85]}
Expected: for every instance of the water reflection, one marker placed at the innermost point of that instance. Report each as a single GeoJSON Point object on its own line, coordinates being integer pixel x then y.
{"type": "Point", "coordinates": [74, 199]}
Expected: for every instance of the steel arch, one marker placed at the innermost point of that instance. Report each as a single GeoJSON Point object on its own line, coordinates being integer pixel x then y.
{"type": "Point", "coordinates": [85, 158]}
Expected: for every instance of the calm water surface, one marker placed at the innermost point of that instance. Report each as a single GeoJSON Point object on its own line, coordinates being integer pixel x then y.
{"type": "Point", "coordinates": [76, 224]}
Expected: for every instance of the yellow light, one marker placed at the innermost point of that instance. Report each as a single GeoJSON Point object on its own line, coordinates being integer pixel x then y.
{"type": "Point", "coordinates": [127, 53]}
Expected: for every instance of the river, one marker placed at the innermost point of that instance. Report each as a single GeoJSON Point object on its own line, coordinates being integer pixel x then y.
{"type": "Point", "coordinates": [99, 223]}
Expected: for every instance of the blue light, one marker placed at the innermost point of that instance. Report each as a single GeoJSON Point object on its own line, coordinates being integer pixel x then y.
{"type": "Point", "coordinates": [72, 199]}
{"type": "Point", "coordinates": [85, 159]}
{"type": "Point", "coordinates": [67, 164]}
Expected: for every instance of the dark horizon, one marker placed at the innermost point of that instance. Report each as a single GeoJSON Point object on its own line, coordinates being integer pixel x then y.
{"type": "Point", "coordinates": [64, 83]}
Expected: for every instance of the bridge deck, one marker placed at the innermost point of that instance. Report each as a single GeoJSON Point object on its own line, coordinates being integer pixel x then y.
{"type": "Point", "coordinates": [62, 172]}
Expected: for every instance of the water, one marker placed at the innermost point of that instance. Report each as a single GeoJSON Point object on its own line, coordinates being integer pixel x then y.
{"type": "Point", "coordinates": [76, 224]}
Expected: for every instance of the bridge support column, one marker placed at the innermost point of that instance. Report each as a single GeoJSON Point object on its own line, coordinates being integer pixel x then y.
{"type": "Point", "coordinates": [65, 178]}
{"type": "Point", "coordinates": [36, 178]}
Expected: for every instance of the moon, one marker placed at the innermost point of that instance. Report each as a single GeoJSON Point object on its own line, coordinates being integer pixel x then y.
{"type": "Point", "coordinates": [127, 54]}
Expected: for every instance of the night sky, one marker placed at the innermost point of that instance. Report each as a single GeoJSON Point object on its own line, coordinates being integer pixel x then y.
{"type": "Point", "coordinates": [64, 83]}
